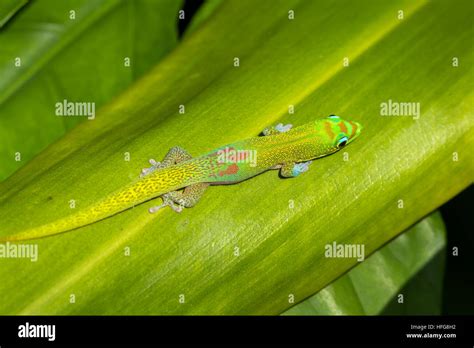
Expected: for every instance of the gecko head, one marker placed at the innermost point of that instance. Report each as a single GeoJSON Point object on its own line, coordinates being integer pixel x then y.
{"type": "Point", "coordinates": [337, 132]}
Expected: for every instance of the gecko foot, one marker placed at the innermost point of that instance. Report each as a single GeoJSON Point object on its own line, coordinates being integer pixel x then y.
{"type": "Point", "coordinates": [167, 202]}
{"type": "Point", "coordinates": [283, 128]}
{"type": "Point", "coordinates": [154, 166]}
{"type": "Point", "coordinates": [299, 168]}
{"type": "Point", "coordinates": [279, 128]}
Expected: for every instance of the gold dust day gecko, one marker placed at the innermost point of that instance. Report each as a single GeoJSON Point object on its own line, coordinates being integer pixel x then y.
{"type": "Point", "coordinates": [291, 150]}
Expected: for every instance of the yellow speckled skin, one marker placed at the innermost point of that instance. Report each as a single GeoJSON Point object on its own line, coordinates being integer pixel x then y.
{"type": "Point", "coordinates": [312, 140]}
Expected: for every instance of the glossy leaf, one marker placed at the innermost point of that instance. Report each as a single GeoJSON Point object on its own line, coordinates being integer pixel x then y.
{"type": "Point", "coordinates": [246, 247]}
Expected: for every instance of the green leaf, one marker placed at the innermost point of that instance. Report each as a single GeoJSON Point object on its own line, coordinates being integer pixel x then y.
{"type": "Point", "coordinates": [205, 11]}
{"type": "Point", "coordinates": [244, 248]}
{"type": "Point", "coordinates": [423, 294]}
{"type": "Point", "coordinates": [8, 8]}
{"type": "Point", "coordinates": [413, 259]}
{"type": "Point", "coordinates": [72, 50]}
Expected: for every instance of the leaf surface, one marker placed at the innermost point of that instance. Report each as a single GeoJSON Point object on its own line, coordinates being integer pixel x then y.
{"type": "Point", "coordinates": [244, 248]}
{"type": "Point", "coordinates": [410, 265]}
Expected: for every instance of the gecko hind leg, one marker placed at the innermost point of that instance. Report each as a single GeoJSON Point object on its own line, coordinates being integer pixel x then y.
{"type": "Point", "coordinates": [279, 128]}
{"type": "Point", "coordinates": [167, 202]}
{"type": "Point", "coordinates": [175, 155]}
{"type": "Point", "coordinates": [178, 200]}
{"type": "Point", "coordinates": [146, 171]}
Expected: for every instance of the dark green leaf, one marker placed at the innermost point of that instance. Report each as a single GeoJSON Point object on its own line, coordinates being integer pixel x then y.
{"type": "Point", "coordinates": [72, 50]}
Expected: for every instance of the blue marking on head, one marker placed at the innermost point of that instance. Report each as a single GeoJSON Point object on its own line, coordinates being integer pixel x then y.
{"type": "Point", "coordinates": [334, 118]}
{"type": "Point", "coordinates": [342, 142]}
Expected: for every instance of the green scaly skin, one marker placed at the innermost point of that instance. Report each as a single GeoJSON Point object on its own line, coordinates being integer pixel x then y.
{"type": "Point", "coordinates": [287, 150]}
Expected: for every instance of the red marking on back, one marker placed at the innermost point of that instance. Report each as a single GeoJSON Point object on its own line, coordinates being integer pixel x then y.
{"type": "Point", "coordinates": [328, 128]}
{"type": "Point", "coordinates": [343, 127]}
{"type": "Point", "coordinates": [232, 169]}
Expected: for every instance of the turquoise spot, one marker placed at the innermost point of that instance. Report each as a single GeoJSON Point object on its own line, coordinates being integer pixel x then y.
{"type": "Point", "coordinates": [295, 171]}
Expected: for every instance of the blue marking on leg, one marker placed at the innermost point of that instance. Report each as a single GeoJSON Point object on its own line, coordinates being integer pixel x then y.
{"type": "Point", "coordinates": [302, 167]}
{"type": "Point", "coordinates": [283, 128]}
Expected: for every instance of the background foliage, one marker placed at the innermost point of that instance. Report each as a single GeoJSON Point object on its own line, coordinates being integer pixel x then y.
{"type": "Point", "coordinates": [80, 59]}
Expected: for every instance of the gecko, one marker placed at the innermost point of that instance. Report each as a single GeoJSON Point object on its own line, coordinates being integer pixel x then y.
{"type": "Point", "coordinates": [181, 180]}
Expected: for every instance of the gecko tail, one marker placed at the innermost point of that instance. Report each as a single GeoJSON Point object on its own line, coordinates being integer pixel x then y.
{"type": "Point", "coordinates": [108, 207]}
{"type": "Point", "coordinates": [154, 185]}
{"type": "Point", "coordinates": [68, 223]}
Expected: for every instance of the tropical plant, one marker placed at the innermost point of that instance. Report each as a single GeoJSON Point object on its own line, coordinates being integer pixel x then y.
{"type": "Point", "coordinates": [257, 247]}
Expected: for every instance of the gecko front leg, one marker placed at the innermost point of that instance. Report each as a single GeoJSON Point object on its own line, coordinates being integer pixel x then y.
{"type": "Point", "coordinates": [291, 170]}
{"type": "Point", "coordinates": [178, 200]}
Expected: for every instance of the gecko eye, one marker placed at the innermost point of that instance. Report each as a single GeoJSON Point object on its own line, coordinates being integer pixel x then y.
{"type": "Point", "coordinates": [341, 142]}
